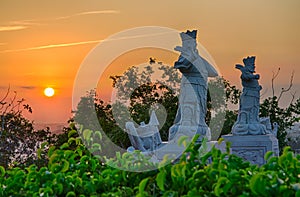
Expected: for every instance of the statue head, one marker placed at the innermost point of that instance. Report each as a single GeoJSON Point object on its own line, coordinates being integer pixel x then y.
{"type": "Point", "coordinates": [189, 39]}
{"type": "Point", "coordinates": [249, 63]}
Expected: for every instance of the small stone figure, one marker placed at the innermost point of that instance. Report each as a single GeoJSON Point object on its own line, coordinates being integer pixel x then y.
{"type": "Point", "coordinates": [248, 122]}
{"type": "Point", "coordinates": [146, 137]}
{"type": "Point", "coordinates": [267, 122]}
{"type": "Point", "coordinates": [193, 91]}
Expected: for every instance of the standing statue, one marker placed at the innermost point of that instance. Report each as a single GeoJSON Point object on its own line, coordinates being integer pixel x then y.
{"type": "Point", "coordinates": [195, 71]}
{"type": "Point", "coordinates": [248, 121]}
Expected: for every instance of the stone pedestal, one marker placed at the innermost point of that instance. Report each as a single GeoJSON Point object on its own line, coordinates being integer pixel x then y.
{"type": "Point", "coordinates": [253, 147]}
{"type": "Point", "coordinates": [172, 150]}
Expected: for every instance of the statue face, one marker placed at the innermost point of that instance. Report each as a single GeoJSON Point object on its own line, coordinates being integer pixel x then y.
{"type": "Point", "coordinates": [189, 43]}
{"type": "Point", "coordinates": [251, 67]}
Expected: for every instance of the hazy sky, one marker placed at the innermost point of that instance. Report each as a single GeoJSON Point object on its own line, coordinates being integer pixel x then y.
{"type": "Point", "coordinates": [42, 43]}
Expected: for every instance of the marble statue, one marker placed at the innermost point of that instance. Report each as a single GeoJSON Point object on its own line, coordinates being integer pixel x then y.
{"type": "Point", "coordinates": [252, 136]}
{"type": "Point", "coordinates": [146, 137]}
{"type": "Point", "coordinates": [195, 71]}
{"type": "Point", "coordinates": [192, 108]}
{"type": "Point", "coordinates": [248, 121]}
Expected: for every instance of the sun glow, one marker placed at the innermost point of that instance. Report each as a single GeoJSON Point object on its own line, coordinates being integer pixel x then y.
{"type": "Point", "coordinates": [49, 92]}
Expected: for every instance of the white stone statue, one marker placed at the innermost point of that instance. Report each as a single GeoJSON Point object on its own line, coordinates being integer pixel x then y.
{"type": "Point", "coordinates": [146, 137]}
{"type": "Point", "coordinates": [248, 121]}
{"type": "Point", "coordinates": [193, 90]}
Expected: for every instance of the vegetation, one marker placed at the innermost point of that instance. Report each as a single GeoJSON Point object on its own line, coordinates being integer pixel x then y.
{"type": "Point", "coordinates": [74, 171]}
{"type": "Point", "coordinates": [137, 95]}
{"type": "Point", "coordinates": [37, 163]}
{"type": "Point", "coordinates": [18, 139]}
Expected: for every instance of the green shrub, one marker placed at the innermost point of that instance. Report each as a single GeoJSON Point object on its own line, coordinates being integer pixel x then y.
{"type": "Point", "coordinates": [73, 171]}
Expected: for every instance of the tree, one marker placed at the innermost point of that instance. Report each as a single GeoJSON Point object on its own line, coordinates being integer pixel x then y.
{"type": "Point", "coordinates": [19, 141]}
{"type": "Point", "coordinates": [284, 117]}
{"type": "Point", "coordinates": [137, 94]}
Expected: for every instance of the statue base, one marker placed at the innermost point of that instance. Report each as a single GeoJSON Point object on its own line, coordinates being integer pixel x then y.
{"type": "Point", "coordinates": [172, 150]}
{"type": "Point", "coordinates": [178, 130]}
{"type": "Point", "coordinates": [253, 147]}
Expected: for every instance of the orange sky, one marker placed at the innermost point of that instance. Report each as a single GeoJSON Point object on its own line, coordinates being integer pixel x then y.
{"type": "Point", "coordinates": [42, 43]}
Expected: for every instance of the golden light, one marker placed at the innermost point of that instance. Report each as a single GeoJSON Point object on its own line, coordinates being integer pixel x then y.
{"type": "Point", "coordinates": [49, 92]}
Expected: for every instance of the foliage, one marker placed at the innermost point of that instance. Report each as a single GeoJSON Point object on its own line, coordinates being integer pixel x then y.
{"type": "Point", "coordinates": [19, 141]}
{"type": "Point", "coordinates": [284, 117]}
{"type": "Point", "coordinates": [74, 171]}
{"type": "Point", "coordinates": [94, 114]}
{"type": "Point", "coordinates": [137, 94]}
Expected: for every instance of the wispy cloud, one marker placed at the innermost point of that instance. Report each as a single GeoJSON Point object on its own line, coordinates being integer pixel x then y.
{"type": "Point", "coordinates": [12, 27]}
{"type": "Point", "coordinates": [28, 87]}
{"type": "Point", "coordinates": [51, 46]}
{"type": "Point", "coordinates": [89, 13]}
{"type": "Point", "coordinates": [3, 87]}
{"type": "Point", "coordinates": [81, 43]}
{"type": "Point", "coordinates": [24, 24]}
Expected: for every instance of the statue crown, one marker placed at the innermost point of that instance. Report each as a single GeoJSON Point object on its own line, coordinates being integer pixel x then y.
{"type": "Point", "coordinates": [249, 60]}
{"type": "Point", "coordinates": [188, 35]}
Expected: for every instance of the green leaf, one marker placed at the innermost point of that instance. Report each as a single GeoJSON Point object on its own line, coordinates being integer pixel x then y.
{"type": "Point", "coordinates": [220, 140]}
{"type": "Point", "coordinates": [71, 140]}
{"type": "Point", "coordinates": [194, 193]}
{"type": "Point", "coordinates": [160, 180]}
{"type": "Point", "coordinates": [2, 171]}
{"type": "Point", "coordinates": [71, 133]}
{"type": "Point", "coordinates": [39, 153]}
{"type": "Point", "coordinates": [65, 165]}
{"type": "Point", "coordinates": [182, 140]}
{"type": "Point", "coordinates": [142, 185]}
{"type": "Point", "coordinates": [51, 150]}
{"type": "Point", "coordinates": [84, 159]}
{"type": "Point", "coordinates": [268, 155]}
{"type": "Point", "coordinates": [257, 184]}
{"type": "Point", "coordinates": [60, 188]}
{"type": "Point", "coordinates": [98, 134]}
{"type": "Point", "coordinates": [55, 167]}
{"type": "Point", "coordinates": [79, 151]}
{"type": "Point", "coordinates": [44, 144]}
{"type": "Point", "coordinates": [219, 188]}
{"type": "Point", "coordinates": [96, 147]}
{"type": "Point", "coordinates": [64, 146]}
{"type": "Point", "coordinates": [87, 134]}
{"type": "Point", "coordinates": [71, 194]}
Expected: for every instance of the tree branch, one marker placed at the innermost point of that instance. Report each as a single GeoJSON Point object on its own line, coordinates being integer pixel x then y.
{"type": "Point", "coordinates": [287, 89]}
{"type": "Point", "coordinates": [293, 97]}
{"type": "Point", "coordinates": [274, 76]}
{"type": "Point", "coordinates": [2, 103]}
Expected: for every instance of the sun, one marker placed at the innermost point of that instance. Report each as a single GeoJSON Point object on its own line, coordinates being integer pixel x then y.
{"type": "Point", "coordinates": [49, 92]}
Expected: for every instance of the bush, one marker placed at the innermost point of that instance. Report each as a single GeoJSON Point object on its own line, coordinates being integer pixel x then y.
{"type": "Point", "coordinates": [74, 171]}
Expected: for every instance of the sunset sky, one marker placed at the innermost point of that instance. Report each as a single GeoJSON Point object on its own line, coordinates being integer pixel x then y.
{"type": "Point", "coordinates": [43, 43]}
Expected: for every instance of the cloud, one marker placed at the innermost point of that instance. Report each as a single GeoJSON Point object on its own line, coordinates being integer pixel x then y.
{"type": "Point", "coordinates": [4, 87]}
{"type": "Point", "coordinates": [89, 13]}
{"type": "Point", "coordinates": [51, 46]}
{"type": "Point", "coordinates": [24, 24]}
{"type": "Point", "coordinates": [80, 43]}
{"type": "Point", "coordinates": [8, 87]}
{"type": "Point", "coordinates": [28, 87]}
{"type": "Point", "coordinates": [12, 27]}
